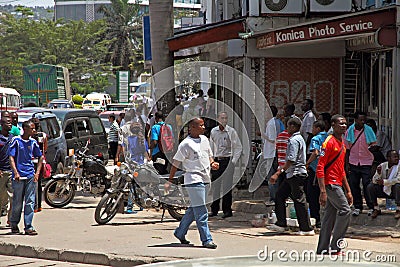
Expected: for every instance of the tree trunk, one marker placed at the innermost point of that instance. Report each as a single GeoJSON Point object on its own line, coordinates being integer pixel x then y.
{"type": "Point", "coordinates": [161, 28]}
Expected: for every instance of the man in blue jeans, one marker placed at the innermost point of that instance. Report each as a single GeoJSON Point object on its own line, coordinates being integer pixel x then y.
{"type": "Point", "coordinates": [195, 154]}
{"type": "Point", "coordinates": [24, 180]}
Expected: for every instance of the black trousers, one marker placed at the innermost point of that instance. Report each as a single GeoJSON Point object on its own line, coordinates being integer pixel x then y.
{"type": "Point", "coordinates": [112, 151]}
{"type": "Point", "coordinates": [293, 188]}
{"type": "Point", "coordinates": [312, 195]}
{"type": "Point", "coordinates": [375, 191]}
{"type": "Point", "coordinates": [222, 179]}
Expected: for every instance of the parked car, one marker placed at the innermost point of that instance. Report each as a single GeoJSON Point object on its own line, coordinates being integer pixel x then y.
{"type": "Point", "coordinates": [61, 103]}
{"type": "Point", "coordinates": [57, 145]}
{"type": "Point", "coordinates": [80, 125]}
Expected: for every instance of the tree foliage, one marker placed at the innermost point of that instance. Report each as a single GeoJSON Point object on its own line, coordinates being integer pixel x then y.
{"type": "Point", "coordinates": [75, 45]}
{"type": "Point", "coordinates": [124, 33]}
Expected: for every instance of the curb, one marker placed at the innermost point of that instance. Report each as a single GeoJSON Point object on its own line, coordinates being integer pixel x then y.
{"type": "Point", "coordinates": [62, 255]}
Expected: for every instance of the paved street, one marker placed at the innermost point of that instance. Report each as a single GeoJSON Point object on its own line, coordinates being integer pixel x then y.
{"type": "Point", "coordinates": [72, 234]}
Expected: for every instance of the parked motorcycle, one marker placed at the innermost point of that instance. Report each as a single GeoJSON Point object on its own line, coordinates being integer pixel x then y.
{"type": "Point", "coordinates": [87, 174]}
{"type": "Point", "coordinates": [147, 187]}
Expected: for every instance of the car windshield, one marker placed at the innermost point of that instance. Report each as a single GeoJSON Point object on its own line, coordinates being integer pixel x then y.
{"type": "Point", "coordinates": [60, 105]}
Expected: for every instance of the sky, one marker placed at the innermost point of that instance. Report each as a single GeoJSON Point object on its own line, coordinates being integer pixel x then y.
{"type": "Point", "coordinates": [30, 3]}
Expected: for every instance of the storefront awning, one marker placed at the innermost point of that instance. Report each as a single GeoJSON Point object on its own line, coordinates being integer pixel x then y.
{"type": "Point", "coordinates": [342, 27]}
{"type": "Point", "coordinates": [206, 34]}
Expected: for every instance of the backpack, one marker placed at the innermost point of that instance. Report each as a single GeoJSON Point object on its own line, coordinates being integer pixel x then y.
{"type": "Point", "coordinates": [166, 140]}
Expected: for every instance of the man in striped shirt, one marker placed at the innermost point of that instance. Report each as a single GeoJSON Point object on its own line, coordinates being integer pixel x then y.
{"type": "Point", "coordinates": [281, 146]}
{"type": "Point", "coordinates": [113, 138]}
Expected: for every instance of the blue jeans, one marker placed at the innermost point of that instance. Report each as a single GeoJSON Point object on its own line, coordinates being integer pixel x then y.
{"type": "Point", "coordinates": [196, 212]}
{"type": "Point", "coordinates": [24, 190]}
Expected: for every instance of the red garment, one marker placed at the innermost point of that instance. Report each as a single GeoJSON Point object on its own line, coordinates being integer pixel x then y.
{"type": "Point", "coordinates": [281, 146]}
{"type": "Point", "coordinates": [329, 150]}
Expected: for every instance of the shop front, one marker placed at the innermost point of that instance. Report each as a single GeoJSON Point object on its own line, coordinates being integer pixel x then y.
{"type": "Point", "coordinates": [343, 64]}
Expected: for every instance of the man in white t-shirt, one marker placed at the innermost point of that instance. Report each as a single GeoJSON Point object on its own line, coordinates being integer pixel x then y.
{"type": "Point", "coordinates": [272, 130]}
{"type": "Point", "coordinates": [195, 155]}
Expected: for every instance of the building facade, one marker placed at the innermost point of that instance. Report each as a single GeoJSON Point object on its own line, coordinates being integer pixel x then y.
{"type": "Point", "coordinates": [86, 10]}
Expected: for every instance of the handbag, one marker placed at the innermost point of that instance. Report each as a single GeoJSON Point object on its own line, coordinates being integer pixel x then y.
{"type": "Point", "coordinates": [46, 172]}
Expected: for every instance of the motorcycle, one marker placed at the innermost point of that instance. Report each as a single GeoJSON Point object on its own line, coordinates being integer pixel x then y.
{"type": "Point", "coordinates": [87, 174]}
{"type": "Point", "coordinates": [147, 189]}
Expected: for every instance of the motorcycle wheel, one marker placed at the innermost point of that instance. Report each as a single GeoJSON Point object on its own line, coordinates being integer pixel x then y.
{"type": "Point", "coordinates": [104, 210]}
{"type": "Point", "coordinates": [177, 213]}
{"type": "Point", "coordinates": [52, 194]}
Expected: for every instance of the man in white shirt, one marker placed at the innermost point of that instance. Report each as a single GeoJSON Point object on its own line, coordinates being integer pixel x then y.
{"type": "Point", "coordinates": [226, 148]}
{"type": "Point", "coordinates": [308, 121]}
{"type": "Point", "coordinates": [273, 128]}
{"type": "Point", "coordinates": [195, 154]}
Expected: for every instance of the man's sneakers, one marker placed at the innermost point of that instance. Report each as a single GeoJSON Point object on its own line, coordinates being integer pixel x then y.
{"type": "Point", "coordinates": [375, 213]}
{"type": "Point", "coordinates": [306, 233]}
{"type": "Point", "coordinates": [183, 241]}
{"type": "Point", "coordinates": [130, 211]}
{"type": "Point", "coordinates": [227, 215]}
{"type": "Point", "coordinates": [31, 232]}
{"type": "Point", "coordinates": [276, 228]}
{"type": "Point", "coordinates": [356, 212]}
{"type": "Point", "coordinates": [397, 215]}
{"type": "Point", "coordinates": [370, 212]}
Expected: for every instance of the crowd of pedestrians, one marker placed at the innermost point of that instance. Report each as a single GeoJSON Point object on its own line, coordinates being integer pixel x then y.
{"type": "Point", "coordinates": [317, 161]}
{"type": "Point", "coordinates": [327, 167]}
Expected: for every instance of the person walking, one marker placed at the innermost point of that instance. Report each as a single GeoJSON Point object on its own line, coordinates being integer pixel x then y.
{"type": "Point", "coordinates": [113, 138]}
{"type": "Point", "coordinates": [159, 157]}
{"type": "Point", "coordinates": [307, 123]}
{"type": "Point", "coordinates": [5, 167]}
{"type": "Point", "coordinates": [22, 150]}
{"type": "Point", "coordinates": [332, 179]}
{"type": "Point", "coordinates": [293, 185]}
{"type": "Point", "coordinates": [226, 148]}
{"type": "Point", "coordinates": [359, 159]}
{"type": "Point", "coordinates": [42, 139]}
{"type": "Point", "coordinates": [272, 130]}
{"type": "Point", "coordinates": [195, 155]}
{"type": "Point", "coordinates": [312, 188]}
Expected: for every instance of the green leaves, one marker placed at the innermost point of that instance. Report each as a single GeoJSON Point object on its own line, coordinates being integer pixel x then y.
{"type": "Point", "coordinates": [77, 45]}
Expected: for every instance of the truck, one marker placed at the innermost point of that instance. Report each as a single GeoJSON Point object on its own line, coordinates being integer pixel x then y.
{"type": "Point", "coordinates": [44, 82]}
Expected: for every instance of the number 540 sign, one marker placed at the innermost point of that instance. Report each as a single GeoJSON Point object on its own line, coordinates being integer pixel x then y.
{"type": "Point", "coordinates": [322, 92]}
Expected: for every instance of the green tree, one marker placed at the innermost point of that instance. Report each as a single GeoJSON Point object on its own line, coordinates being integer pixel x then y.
{"type": "Point", "coordinates": [76, 45]}
{"type": "Point", "coordinates": [123, 31]}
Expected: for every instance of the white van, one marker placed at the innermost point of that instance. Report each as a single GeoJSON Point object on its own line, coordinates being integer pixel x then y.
{"type": "Point", "coordinates": [96, 101]}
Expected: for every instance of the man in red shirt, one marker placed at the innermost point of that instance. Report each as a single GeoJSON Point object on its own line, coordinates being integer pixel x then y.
{"type": "Point", "coordinates": [331, 177]}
